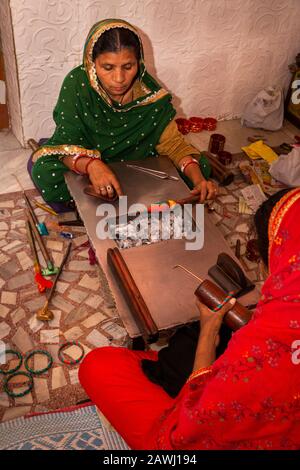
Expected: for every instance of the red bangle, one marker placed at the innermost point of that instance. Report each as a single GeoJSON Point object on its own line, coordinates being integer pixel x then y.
{"type": "Point", "coordinates": [190, 163]}
{"type": "Point", "coordinates": [74, 162]}
{"type": "Point", "coordinates": [89, 163]}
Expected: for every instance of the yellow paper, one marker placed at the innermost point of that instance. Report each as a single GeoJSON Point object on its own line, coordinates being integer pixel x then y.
{"type": "Point", "coordinates": [260, 150]}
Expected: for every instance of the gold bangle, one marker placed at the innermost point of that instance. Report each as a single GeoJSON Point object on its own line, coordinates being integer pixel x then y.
{"type": "Point", "coordinates": [199, 372]}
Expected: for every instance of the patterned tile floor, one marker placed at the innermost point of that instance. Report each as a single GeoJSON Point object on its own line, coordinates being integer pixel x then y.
{"type": "Point", "coordinates": [83, 308]}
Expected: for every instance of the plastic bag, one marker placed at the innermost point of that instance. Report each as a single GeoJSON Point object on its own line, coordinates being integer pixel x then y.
{"type": "Point", "coordinates": [266, 110]}
{"type": "Point", "coordinates": [287, 168]}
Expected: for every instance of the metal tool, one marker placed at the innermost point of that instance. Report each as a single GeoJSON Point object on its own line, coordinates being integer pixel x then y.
{"type": "Point", "coordinates": [42, 283]}
{"type": "Point", "coordinates": [189, 272]}
{"type": "Point", "coordinates": [51, 269]}
{"type": "Point", "coordinates": [158, 174]}
{"type": "Point", "coordinates": [44, 314]}
{"type": "Point", "coordinates": [40, 226]}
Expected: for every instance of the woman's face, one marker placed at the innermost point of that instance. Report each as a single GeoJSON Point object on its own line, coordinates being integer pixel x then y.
{"type": "Point", "coordinates": [116, 71]}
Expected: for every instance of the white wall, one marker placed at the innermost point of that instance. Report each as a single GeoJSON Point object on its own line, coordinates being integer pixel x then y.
{"type": "Point", "coordinates": [213, 55]}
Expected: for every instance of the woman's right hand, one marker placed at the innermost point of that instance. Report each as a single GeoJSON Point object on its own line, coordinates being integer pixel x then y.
{"type": "Point", "coordinates": [103, 179]}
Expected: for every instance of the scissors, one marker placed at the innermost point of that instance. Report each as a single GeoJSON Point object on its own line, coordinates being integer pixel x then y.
{"type": "Point", "coordinates": [159, 174]}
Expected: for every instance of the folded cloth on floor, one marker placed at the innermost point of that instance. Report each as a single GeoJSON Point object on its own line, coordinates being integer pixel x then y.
{"type": "Point", "coordinates": [260, 150]}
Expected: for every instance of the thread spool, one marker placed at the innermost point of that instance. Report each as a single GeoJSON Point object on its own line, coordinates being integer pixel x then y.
{"type": "Point", "coordinates": [211, 295]}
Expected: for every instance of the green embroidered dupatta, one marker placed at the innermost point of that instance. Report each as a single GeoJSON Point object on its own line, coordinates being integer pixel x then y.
{"type": "Point", "coordinates": [89, 122]}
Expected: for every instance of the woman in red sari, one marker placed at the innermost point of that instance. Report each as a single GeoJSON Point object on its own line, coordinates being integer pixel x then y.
{"type": "Point", "coordinates": [249, 398]}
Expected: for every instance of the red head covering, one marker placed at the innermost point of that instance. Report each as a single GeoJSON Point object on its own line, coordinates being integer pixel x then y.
{"type": "Point", "coordinates": [252, 398]}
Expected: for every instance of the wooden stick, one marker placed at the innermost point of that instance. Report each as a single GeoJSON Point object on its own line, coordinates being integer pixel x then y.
{"type": "Point", "coordinates": [59, 272]}
{"type": "Point", "coordinates": [132, 294]}
{"type": "Point", "coordinates": [39, 240]}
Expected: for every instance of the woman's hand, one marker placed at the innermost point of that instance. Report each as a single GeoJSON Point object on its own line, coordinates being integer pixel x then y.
{"type": "Point", "coordinates": [103, 179]}
{"type": "Point", "coordinates": [206, 190]}
{"type": "Point", "coordinates": [210, 321]}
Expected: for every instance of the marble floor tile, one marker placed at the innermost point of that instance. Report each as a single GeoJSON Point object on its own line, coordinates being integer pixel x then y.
{"type": "Point", "coordinates": [77, 315]}
{"type": "Point", "coordinates": [61, 287]}
{"type": "Point", "coordinates": [54, 245]}
{"type": "Point", "coordinates": [73, 333]}
{"type": "Point", "coordinates": [50, 336]}
{"type": "Point", "coordinates": [35, 324]}
{"type": "Point", "coordinates": [4, 400]}
{"type": "Point", "coordinates": [12, 245]}
{"type": "Point", "coordinates": [90, 282]}
{"type": "Point", "coordinates": [55, 323]}
{"type": "Point", "coordinates": [15, 412]}
{"type": "Point", "coordinates": [114, 330]}
{"type": "Point", "coordinates": [41, 390]}
{"type": "Point", "coordinates": [60, 303]}
{"type": "Point", "coordinates": [24, 260]}
{"type": "Point", "coordinates": [94, 301]}
{"type": "Point", "coordinates": [58, 378]}
{"type": "Point", "coordinates": [93, 320]}
{"type": "Point", "coordinates": [73, 373]}
{"type": "Point", "coordinates": [4, 329]}
{"type": "Point", "coordinates": [26, 400]}
{"type": "Point", "coordinates": [3, 311]}
{"type": "Point", "coordinates": [77, 295]}
{"type": "Point", "coordinates": [8, 298]}
{"type": "Point", "coordinates": [35, 304]}
{"type": "Point", "coordinates": [57, 258]}
{"type": "Point", "coordinates": [97, 339]}
{"type": "Point", "coordinates": [22, 340]}
{"type": "Point", "coordinates": [17, 315]}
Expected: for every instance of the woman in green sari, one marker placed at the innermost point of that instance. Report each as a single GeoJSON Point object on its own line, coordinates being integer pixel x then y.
{"type": "Point", "coordinates": [110, 109]}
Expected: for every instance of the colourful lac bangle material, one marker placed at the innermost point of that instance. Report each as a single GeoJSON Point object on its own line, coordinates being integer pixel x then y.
{"type": "Point", "coordinates": [19, 356]}
{"type": "Point", "coordinates": [21, 394]}
{"type": "Point", "coordinates": [63, 359]}
{"type": "Point", "coordinates": [199, 372]}
{"type": "Point", "coordinates": [219, 306]}
{"type": "Point", "coordinates": [39, 371]}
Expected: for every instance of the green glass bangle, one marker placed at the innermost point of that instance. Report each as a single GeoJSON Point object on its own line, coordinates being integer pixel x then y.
{"type": "Point", "coordinates": [22, 394]}
{"type": "Point", "coordinates": [33, 353]}
{"type": "Point", "coordinates": [19, 356]}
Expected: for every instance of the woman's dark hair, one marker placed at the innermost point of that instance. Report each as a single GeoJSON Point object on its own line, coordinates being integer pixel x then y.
{"type": "Point", "coordinates": [115, 39]}
{"type": "Point", "coordinates": [261, 221]}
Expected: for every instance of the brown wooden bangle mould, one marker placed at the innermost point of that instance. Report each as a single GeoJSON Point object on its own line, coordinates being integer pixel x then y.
{"type": "Point", "coordinates": [211, 295]}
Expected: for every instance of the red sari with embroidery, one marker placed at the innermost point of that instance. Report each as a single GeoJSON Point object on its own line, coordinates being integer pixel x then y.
{"type": "Point", "coordinates": [251, 400]}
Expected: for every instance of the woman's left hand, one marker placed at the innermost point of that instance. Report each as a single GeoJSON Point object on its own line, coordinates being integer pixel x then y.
{"type": "Point", "coordinates": [206, 190]}
{"type": "Point", "coordinates": [210, 321]}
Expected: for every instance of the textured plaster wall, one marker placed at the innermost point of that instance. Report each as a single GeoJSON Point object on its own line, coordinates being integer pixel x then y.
{"type": "Point", "coordinates": [11, 74]}
{"type": "Point", "coordinates": [213, 55]}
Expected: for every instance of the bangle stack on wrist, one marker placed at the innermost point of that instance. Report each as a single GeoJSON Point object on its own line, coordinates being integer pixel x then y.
{"type": "Point", "coordinates": [187, 163]}
{"type": "Point", "coordinates": [75, 160]}
{"type": "Point", "coordinates": [74, 163]}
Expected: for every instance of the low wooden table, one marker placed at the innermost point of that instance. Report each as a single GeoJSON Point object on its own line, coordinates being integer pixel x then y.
{"type": "Point", "coordinates": [168, 292]}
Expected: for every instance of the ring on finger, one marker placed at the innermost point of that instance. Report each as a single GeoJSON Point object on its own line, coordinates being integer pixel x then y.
{"type": "Point", "coordinates": [109, 188]}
